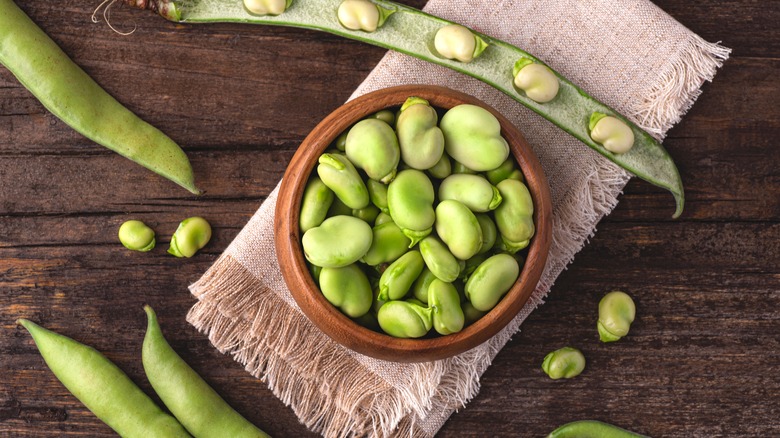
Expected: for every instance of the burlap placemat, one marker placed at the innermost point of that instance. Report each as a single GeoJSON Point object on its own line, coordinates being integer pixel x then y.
{"type": "Point", "coordinates": [627, 53]}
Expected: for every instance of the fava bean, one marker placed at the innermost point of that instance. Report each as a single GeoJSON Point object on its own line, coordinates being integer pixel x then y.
{"type": "Point", "coordinates": [368, 321]}
{"type": "Point", "coordinates": [616, 313]}
{"type": "Point", "coordinates": [442, 169]}
{"type": "Point", "coordinates": [489, 232]}
{"type": "Point", "coordinates": [420, 286]}
{"type": "Point", "coordinates": [439, 259]}
{"type": "Point", "coordinates": [448, 316]}
{"type": "Point", "coordinates": [410, 198]}
{"type": "Point", "coordinates": [267, 7]}
{"type": "Point", "coordinates": [372, 146]}
{"type": "Point", "coordinates": [398, 278]}
{"type": "Point", "coordinates": [189, 398]}
{"type": "Point", "coordinates": [388, 244]}
{"type": "Point", "coordinates": [501, 172]}
{"type": "Point", "coordinates": [592, 429]}
{"type": "Point", "coordinates": [339, 241]}
{"type": "Point", "coordinates": [341, 142]}
{"type": "Point", "coordinates": [537, 81]}
{"type": "Point", "coordinates": [405, 320]}
{"type": "Point", "coordinates": [102, 386]}
{"type": "Point", "coordinates": [421, 140]}
{"type": "Point", "coordinates": [566, 363]}
{"type": "Point", "coordinates": [383, 218]}
{"type": "Point", "coordinates": [472, 190]}
{"type": "Point", "coordinates": [348, 289]}
{"type": "Point", "coordinates": [377, 192]}
{"type": "Point", "coordinates": [459, 168]}
{"type": "Point", "coordinates": [472, 136]}
{"type": "Point", "coordinates": [514, 217]}
{"type": "Point", "coordinates": [457, 227]}
{"type": "Point", "coordinates": [192, 235]}
{"type": "Point", "coordinates": [454, 41]}
{"type": "Point", "coordinates": [136, 236]}
{"type": "Point", "coordinates": [386, 116]}
{"type": "Point", "coordinates": [362, 15]}
{"type": "Point", "coordinates": [472, 264]}
{"type": "Point", "coordinates": [338, 208]}
{"type": "Point", "coordinates": [367, 213]}
{"type": "Point", "coordinates": [614, 134]}
{"type": "Point", "coordinates": [315, 272]}
{"type": "Point", "coordinates": [471, 314]}
{"type": "Point", "coordinates": [338, 173]}
{"type": "Point", "coordinates": [491, 280]}
{"type": "Point", "coordinates": [317, 199]}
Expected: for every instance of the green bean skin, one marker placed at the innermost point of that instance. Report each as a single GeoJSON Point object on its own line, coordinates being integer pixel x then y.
{"type": "Point", "coordinates": [191, 400]}
{"type": "Point", "coordinates": [410, 31]}
{"type": "Point", "coordinates": [102, 386]}
{"type": "Point", "coordinates": [592, 429]}
{"type": "Point", "coordinates": [76, 99]}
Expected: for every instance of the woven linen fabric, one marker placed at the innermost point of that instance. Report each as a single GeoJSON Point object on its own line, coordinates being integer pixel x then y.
{"type": "Point", "coordinates": [626, 53]}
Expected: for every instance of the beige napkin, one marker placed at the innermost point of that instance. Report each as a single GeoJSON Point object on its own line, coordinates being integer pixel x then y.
{"type": "Point", "coordinates": [627, 53]}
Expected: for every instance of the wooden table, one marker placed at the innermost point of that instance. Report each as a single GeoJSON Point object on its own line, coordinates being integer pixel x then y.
{"type": "Point", "coordinates": [703, 357]}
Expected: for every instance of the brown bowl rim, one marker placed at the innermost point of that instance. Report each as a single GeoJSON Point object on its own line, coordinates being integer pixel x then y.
{"type": "Point", "coordinates": [328, 318]}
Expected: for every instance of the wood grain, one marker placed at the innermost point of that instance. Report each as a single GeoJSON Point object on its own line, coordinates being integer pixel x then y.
{"type": "Point", "coordinates": [702, 359]}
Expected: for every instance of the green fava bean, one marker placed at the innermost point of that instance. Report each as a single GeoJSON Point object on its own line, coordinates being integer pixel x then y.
{"type": "Point", "coordinates": [459, 168]}
{"type": "Point", "coordinates": [368, 213]}
{"type": "Point", "coordinates": [189, 398]}
{"type": "Point", "coordinates": [315, 272]}
{"type": "Point", "coordinates": [421, 141]}
{"type": "Point", "coordinates": [472, 190]}
{"type": "Point", "coordinates": [386, 116]}
{"type": "Point", "coordinates": [471, 314]}
{"type": "Point", "coordinates": [338, 173]}
{"type": "Point", "coordinates": [457, 226]}
{"type": "Point", "coordinates": [489, 232]}
{"type": "Point", "coordinates": [442, 169]}
{"type": "Point", "coordinates": [448, 316]}
{"type": "Point", "coordinates": [472, 136]}
{"type": "Point", "coordinates": [102, 386]}
{"type": "Point", "coordinates": [410, 198]}
{"type": "Point", "coordinates": [471, 265]}
{"type": "Point", "coordinates": [420, 286]}
{"type": "Point", "coordinates": [372, 146]}
{"type": "Point", "coordinates": [338, 208]}
{"type": "Point", "coordinates": [491, 280]}
{"type": "Point", "coordinates": [616, 313]}
{"type": "Point", "coordinates": [348, 289]}
{"type": "Point", "coordinates": [339, 241]}
{"type": "Point", "coordinates": [501, 172]}
{"type": "Point", "coordinates": [382, 218]}
{"type": "Point", "coordinates": [514, 217]}
{"type": "Point", "coordinates": [377, 192]}
{"type": "Point", "coordinates": [592, 429]}
{"type": "Point", "coordinates": [317, 199]}
{"type": "Point", "coordinates": [136, 236]}
{"type": "Point", "coordinates": [565, 363]}
{"type": "Point", "coordinates": [341, 142]}
{"type": "Point", "coordinates": [405, 320]}
{"type": "Point", "coordinates": [193, 234]}
{"type": "Point", "coordinates": [439, 259]}
{"type": "Point", "coordinates": [377, 304]}
{"type": "Point", "coordinates": [389, 243]}
{"type": "Point", "coordinates": [398, 278]}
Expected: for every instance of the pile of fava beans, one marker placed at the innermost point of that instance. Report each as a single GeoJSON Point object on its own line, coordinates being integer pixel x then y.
{"type": "Point", "coordinates": [412, 224]}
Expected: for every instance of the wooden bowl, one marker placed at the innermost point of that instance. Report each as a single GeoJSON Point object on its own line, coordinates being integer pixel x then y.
{"type": "Point", "coordinates": [327, 317]}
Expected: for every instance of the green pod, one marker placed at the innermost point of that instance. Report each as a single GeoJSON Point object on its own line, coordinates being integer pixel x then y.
{"type": "Point", "coordinates": [460, 168]}
{"type": "Point", "coordinates": [421, 140]}
{"type": "Point", "coordinates": [592, 429]}
{"type": "Point", "coordinates": [348, 289]}
{"type": "Point", "coordinates": [442, 169]}
{"type": "Point", "coordinates": [317, 199]}
{"type": "Point", "coordinates": [491, 280]}
{"type": "Point", "coordinates": [472, 136]}
{"type": "Point", "coordinates": [448, 316]}
{"type": "Point", "coordinates": [372, 146]}
{"type": "Point", "coordinates": [339, 241]}
{"type": "Point", "coordinates": [191, 235]}
{"type": "Point", "coordinates": [457, 226]}
{"type": "Point", "coordinates": [401, 319]}
{"type": "Point", "coordinates": [388, 244]}
{"type": "Point", "coordinates": [398, 278]}
{"type": "Point", "coordinates": [102, 386]}
{"type": "Point", "coordinates": [470, 313]}
{"type": "Point", "coordinates": [338, 208]}
{"type": "Point", "coordinates": [367, 213]}
{"type": "Point", "coordinates": [514, 217]}
{"type": "Point", "coordinates": [489, 232]}
{"type": "Point", "coordinates": [564, 363]}
{"type": "Point", "coordinates": [616, 313]}
{"type": "Point", "coordinates": [382, 218]}
{"type": "Point", "coordinates": [410, 198]}
{"type": "Point", "coordinates": [338, 173]}
{"type": "Point", "coordinates": [368, 321]}
{"type": "Point", "coordinates": [377, 193]}
{"type": "Point", "coordinates": [501, 172]}
{"type": "Point", "coordinates": [189, 398]}
{"type": "Point", "coordinates": [472, 190]}
{"type": "Point", "coordinates": [420, 286]}
{"type": "Point", "coordinates": [136, 236]}
{"type": "Point", "coordinates": [439, 259]}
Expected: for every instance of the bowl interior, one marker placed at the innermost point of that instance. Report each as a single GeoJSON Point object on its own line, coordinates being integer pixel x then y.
{"type": "Point", "coordinates": [327, 317]}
